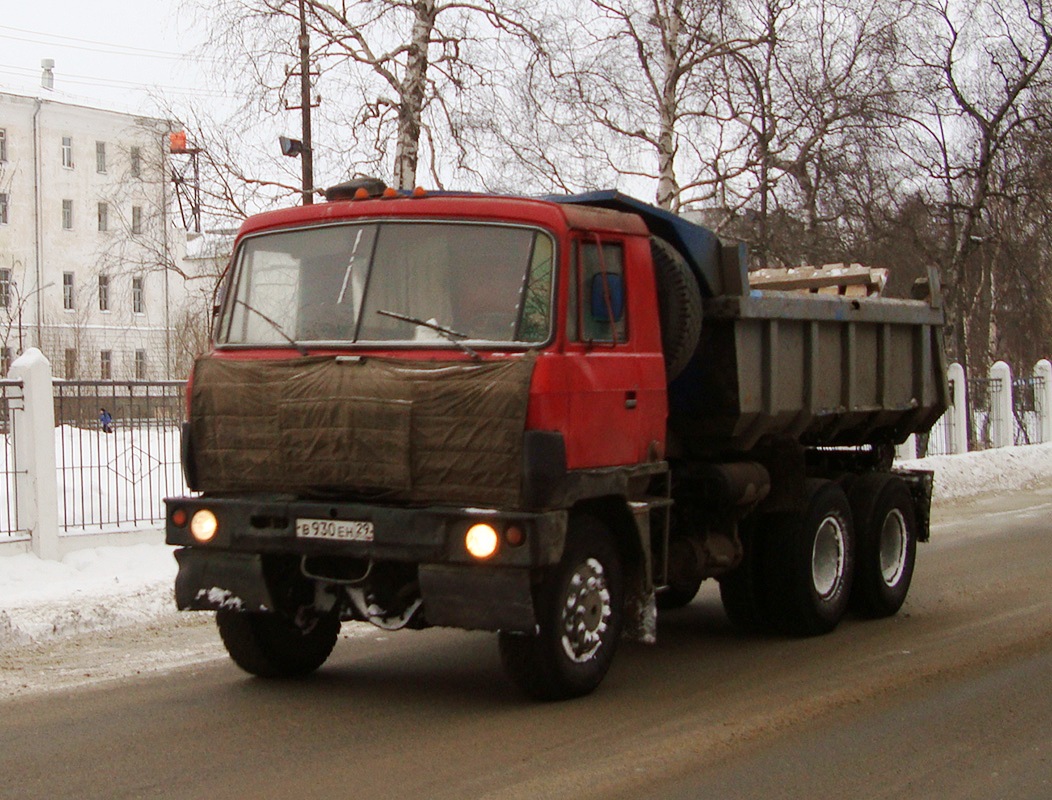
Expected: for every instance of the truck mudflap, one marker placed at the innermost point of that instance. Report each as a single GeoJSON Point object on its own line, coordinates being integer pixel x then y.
{"type": "Point", "coordinates": [211, 581]}
{"type": "Point", "coordinates": [477, 598]}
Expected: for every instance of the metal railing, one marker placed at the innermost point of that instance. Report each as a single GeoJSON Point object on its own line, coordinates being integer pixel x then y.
{"type": "Point", "coordinates": [117, 473]}
{"type": "Point", "coordinates": [982, 411]}
{"type": "Point", "coordinates": [12, 398]}
{"type": "Point", "coordinates": [1028, 409]}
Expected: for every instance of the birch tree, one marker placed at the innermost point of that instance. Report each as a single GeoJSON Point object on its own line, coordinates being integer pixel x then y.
{"type": "Point", "coordinates": [392, 75]}
{"type": "Point", "coordinates": [632, 80]}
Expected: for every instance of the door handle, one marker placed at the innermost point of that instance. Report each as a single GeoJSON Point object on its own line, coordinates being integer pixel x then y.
{"type": "Point", "coordinates": [630, 399]}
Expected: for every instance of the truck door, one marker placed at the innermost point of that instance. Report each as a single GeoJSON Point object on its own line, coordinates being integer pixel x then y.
{"type": "Point", "coordinates": [604, 377]}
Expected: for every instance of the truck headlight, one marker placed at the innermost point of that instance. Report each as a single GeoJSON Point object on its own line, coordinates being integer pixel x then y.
{"type": "Point", "coordinates": [481, 540]}
{"type": "Point", "coordinates": [203, 525]}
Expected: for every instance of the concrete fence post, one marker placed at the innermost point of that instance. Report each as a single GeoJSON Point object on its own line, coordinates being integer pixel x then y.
{"type": "Point", "coordinates": [1002, 428]}
{"type": "Point", "coordinates": [958, 410]}
{"type": "Point", "coordinates": [1043, 398]}
{"type": "Point", "coordinates": [34, 439]}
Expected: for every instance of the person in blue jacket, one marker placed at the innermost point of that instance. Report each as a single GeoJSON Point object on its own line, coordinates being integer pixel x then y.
{"type": "Point", "coordinates": [106, 421]}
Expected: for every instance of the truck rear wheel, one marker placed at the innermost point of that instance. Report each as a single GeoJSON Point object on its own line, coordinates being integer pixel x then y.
{"type": "Point", "coordinates": [811, 564]}
{"type": "Point", "coordinates": [580, 617]}
{"type": "Point", "coordinates": [272, 645]}
{"type": "Point", "coordinates": [741, 590]}
{"type": "Point", "coordinates": [887, 544]}
{"type": "Point", "coordinates": [679, 306]}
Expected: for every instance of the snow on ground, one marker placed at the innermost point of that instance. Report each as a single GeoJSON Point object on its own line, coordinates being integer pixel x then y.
{"type": "Point", "coordinates": [107, 588]}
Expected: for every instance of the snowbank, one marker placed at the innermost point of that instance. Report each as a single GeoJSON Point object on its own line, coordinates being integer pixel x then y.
{"type": "Point", "coordinates": [112, 587]}
{"type": "Point", "coordinates": [987, 471]}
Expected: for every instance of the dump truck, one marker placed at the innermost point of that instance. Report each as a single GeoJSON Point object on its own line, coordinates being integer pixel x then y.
{"type": "Point", "coordinates": [548, 418]}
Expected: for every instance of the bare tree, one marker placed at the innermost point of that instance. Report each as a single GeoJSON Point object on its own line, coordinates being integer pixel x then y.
{"type": "Point", "coordinates": [392, 71]}
{"type": "Point", "coordinates": [629, 82]}
{"type": "Point", "coordinates": [976, 64]}
{"type": "Point", "coordinates": [817, 97]}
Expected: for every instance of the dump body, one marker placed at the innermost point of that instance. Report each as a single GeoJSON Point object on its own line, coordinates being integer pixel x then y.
{"type": "Point", "coordinates": [827, 371]}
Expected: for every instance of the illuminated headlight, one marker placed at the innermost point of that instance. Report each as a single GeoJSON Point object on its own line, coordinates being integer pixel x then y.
{"type": "Point", "coordinates": [481, 540]}
{"type": "Point", "coordinates": [203, 525]}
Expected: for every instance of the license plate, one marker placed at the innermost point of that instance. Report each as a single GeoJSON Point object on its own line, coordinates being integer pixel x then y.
{"type": "Point", "coordinates": [340, 530]}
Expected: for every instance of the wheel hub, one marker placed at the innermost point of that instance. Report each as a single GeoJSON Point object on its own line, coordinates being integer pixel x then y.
{"type": "Point", "coordinates": [586, 611]}
{"type": "Point", "coordinates": [827, 557]}
{"type": "Point", "coordinates": [893, 548]}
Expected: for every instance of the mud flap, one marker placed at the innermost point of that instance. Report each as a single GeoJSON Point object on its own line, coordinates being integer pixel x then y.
{"type": "Point", "coordinates": [478, 598]}
{"type": "Point", "coordinates": [209, 581]}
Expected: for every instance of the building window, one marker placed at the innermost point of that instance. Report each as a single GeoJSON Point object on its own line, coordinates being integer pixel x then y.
{"type": "Point", "coordinates": [100, 156]}
{"type": "Point", "coordinates": [136, 219]}
{"type": "Point", "coordinates": [71, 363]}
{"type": "Point", "coordinates": [140, 365]}
{"type": "Point", "coordinates": [106, 365]}
{"type": "Point", "coordinates": [104, 292]}
{"type": "Point", "coordinates": [3, 208]}
{"type": "Point", "coordinates": [136, 162]}
{"type": "Point", "coordinates": [104, 216]}
{"type": "Point", "coordinates": [67, 152]}
{"type": "Point", "coordinates": [67, 291]}
{"type": "Point", "coordinates": [67, 215]}
{"type": "Point", "coordinates": [5, 288]}
{"type": "Point", "coordinates": [138, 300]}
{"type": "Point", "coordinates": [3, 145]}
{"type": "Point", "coordinates": [5, 360]}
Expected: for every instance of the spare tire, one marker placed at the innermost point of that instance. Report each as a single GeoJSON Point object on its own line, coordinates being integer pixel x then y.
{"type": "Point", "coordinates": [679, 305]}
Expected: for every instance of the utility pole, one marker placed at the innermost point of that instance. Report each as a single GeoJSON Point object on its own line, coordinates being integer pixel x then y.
{"type": "Point", "coordinates": [307, 156]}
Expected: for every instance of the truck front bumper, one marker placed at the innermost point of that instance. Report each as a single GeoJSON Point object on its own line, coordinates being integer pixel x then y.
{"type": "Point", "coordinates": [459, 590]}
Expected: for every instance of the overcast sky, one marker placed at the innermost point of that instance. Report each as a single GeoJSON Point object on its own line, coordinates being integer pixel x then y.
{"type": "Point", "coordinates": [109, 53]}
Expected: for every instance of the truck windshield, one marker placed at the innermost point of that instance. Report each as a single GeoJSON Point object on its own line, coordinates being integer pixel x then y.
{"type": "Point", "coordinates": [391, 282]}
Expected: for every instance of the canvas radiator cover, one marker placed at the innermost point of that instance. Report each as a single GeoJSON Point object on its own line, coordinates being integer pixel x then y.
{"type": "Point", "coordinates": [403, 431]}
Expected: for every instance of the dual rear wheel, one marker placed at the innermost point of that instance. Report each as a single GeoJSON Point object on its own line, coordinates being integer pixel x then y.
{"type": "Point", "coordinates": [802, 572]}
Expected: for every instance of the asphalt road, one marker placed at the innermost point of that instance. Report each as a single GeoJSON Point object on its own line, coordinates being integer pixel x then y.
{"type": "Point", "coordinates": [950, 699]}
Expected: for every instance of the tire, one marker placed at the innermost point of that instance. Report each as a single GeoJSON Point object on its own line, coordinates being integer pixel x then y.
{"type": "Point", "coordinates": [683, 586]}
{"type": "Point", "coordinates": [679, 306]}
{"type": "Point", "coordinates": [580, 616]}
{"type": "Point", "coordinates": [810, 564]}
{"type": "Point", "coordinates": [886, 547]}
{"type": "Point", "coordinates": [741, 590]}
{"type": "Point", "coordinates": [271, 645]}
{"type": "Point", "coordinates": [677, 595]}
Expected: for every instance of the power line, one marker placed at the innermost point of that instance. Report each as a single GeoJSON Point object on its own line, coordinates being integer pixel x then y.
{"type": "Point", "coordinates": [111, 49]}
{"type": "Point", "coordinates": [84, 80]}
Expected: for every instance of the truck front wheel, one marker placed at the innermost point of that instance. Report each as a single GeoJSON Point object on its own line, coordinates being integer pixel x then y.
{"type": "Point", "coordinates": [811, 567]}
{"type": "Point", "coordinates": [579, 610]}
{"type": "Point", "coordinates": [272, 645]}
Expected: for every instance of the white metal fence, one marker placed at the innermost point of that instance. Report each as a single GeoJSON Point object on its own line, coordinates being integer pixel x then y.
{"type": "Point", "coordinates": [72, 475]}
{"type": "Point", "coordinates": [993, 410]}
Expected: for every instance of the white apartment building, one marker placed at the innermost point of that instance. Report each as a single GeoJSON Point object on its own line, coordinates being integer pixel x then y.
{"type": "Point", "coordinates": [88, 246]}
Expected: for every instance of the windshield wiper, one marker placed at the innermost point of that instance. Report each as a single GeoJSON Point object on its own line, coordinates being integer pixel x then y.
{"type": "Point", "coordinates": [447, 333]}
{"type": "Point", "coordinates": [281, 331]}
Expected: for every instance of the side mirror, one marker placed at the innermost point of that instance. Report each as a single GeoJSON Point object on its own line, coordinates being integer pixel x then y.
{"type": "Point", "coordinates": [608, 297]}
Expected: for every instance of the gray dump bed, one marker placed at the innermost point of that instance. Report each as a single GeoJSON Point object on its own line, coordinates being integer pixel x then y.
{"type": "Point", "coordinates": [826, 370]}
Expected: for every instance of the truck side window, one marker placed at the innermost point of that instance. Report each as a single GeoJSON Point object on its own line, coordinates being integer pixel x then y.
{"type": "Point", "coordinates": [597, 294]}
